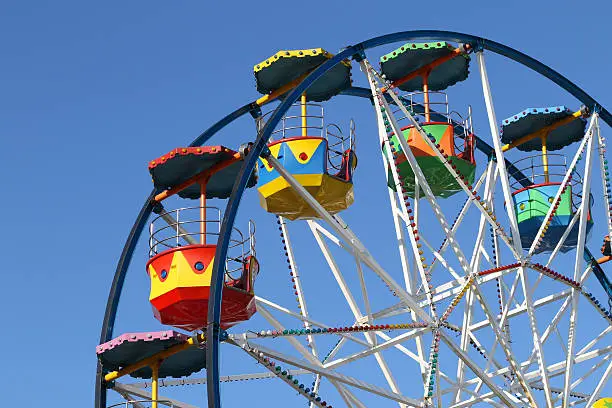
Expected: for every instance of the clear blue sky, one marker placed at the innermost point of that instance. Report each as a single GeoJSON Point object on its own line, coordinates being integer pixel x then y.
{"type": "Point", "coordinates": [90, 91]}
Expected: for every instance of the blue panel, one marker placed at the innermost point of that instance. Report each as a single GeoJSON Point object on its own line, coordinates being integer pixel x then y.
{"type": "Point", "coordinates": [316, 164]}
{"type": "Point", "coordinates": [529, 229]}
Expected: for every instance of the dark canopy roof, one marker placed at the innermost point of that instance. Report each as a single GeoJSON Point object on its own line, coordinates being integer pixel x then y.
{"type": "Point", "coordinates": [413, 56]}
{"type": "Point", "coordinates": [130, 348]}
{"type": "Point", "coordinates": [286, 66]}
{"type": "Point", "coordinates": [531, 120]}
{"type": "Point", "coordinates": [182, 163]}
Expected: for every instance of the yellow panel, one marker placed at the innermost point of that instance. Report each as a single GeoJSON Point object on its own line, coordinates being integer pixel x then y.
{"type": "Point", "coordinates": [158, 287]}
{"type": "Point", "coordinates": [307, 146]}
{"type": "Point", "coordinates": [187, 276]}
{"type": "Point", "coordinates": [603, 403]}
{"type": "Point", "coordinates": [279, 183]}
{"type": "Point", "coordinates": [333, 194]}
{"type": "Point", "coordinates": [180, 274]}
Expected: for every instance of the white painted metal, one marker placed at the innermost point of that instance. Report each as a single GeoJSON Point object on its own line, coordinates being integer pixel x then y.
{"type": "Point", "coordinates": [140, 393]}
{"type": "Point", "coordinates": [488, 98]}
{"type": "Point", "coordinates": [600, 385]}
{"type": "Point", "coordinates": [584, 211]}
{"type": "Point", "coordinates": [566, 179]}
{"type": "Point", "coordinates": [333, 375]}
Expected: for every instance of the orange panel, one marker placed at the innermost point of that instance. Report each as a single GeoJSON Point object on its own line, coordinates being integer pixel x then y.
{"type": "Point", "coordinates": [420, 148]}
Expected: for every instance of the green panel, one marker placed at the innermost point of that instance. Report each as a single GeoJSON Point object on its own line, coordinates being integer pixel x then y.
{"type": "Point", "coordinates": [539, 204]}
{"type": "Point", "coordinates": [436, 130]}
{"type": "Point", "coordinates": [441, 181]}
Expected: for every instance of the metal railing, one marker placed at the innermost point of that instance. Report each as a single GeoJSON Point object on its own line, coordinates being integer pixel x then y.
{"type": "Point", "coordinates": [531, 168]}
{"type": "Point", "coordinates": [183, 226]}
{"type": "Point", "coordinates": [338, 143]}
{"type": "Point", "coordinates": [291, 125]}
{"type": "Point", "coordinates": [142, 403]}
{"type": "Point", "coordinates": [438, 105]}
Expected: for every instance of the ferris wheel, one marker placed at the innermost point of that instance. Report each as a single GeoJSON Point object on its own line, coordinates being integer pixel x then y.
{"type": "Point", "coordinates": [435, 262]}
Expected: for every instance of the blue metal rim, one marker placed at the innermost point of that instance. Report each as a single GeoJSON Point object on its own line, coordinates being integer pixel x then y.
{"type": "Point", "coordinates": [214, 311]}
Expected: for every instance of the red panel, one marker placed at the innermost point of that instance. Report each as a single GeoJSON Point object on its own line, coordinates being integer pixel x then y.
{"type": "Point", "coordinates": [201, 253]}
{"type": "Point", "coordinates": [160, 262]}
{"type": "Point", "coordinates": [237, 306]}
{"type": "Point", "coordinates": [193, 253]}
{"type": "Point", "coordinates": [187, 308]}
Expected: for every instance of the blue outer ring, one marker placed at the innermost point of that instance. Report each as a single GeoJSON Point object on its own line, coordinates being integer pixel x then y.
{"type": "Point", "coordinates": [214, 310]}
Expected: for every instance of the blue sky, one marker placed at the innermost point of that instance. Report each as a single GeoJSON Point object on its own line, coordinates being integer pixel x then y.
{"type": "Point", "coordinates": [91, 91]}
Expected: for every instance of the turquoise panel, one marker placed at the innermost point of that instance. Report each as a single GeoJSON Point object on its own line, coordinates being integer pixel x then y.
{"type": "Point", "coordinates": [532, 205]}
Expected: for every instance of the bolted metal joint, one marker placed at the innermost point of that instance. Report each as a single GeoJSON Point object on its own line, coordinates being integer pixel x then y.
{"type": "Point", "coordinates": [255, 110]}
{"type": "Point", "coordinates": [359, 55]}
{"type": "Point", "coordinates": [244, 149]}
{"type": "Point", "coordinates": [265, 153]}
{"type": "Point", "coordinates": [585, 112]}
{"type": "Point", "coordinates": [158, 208]}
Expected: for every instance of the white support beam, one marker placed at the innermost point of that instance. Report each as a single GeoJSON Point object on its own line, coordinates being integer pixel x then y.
{"type": "Point", "coordinates": [378, 348]}
{"type": "Point", "coordinates": [575, 294]}
{"type": "Point", "coordinates": [299, 347]}
{"type": "Point", "coordinates": [370, 338]}
{"type": "Point", "coordinates": [601, 335]}
{"type": "Point", "coordinates": [601, 147]}
{"type": "Point", "coordinates": [348, 238]}
{"type": "Point", "coordinates": [533, 324]}
{"type": "Point", "coordinates": [265, 302]}
{"type": "Point", "coordinates": [600, 385]}
{"type": "Point", "coordinates": [564, 183]}
{"type": "Point", "coordinates": [522, 309]}
{"type": "Point", "coordinates": [501, 161]}
{"type": "Point", "coordinates": [459, 220]}
{"type": "Point", "coordinates": [335, 376]}
{"type": "Point", "coordinates": [145, 395]}
{"type": "Point", "coordinates": [553, 369]}
{"type": "Point", "coordinates": [297, 280]}
{"type": "Point", "coordinates": [499, 337]}
{"type": "Point", "coordinates": [507, 398]}
{"type": "Point", "coordinates": [474, 266]}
